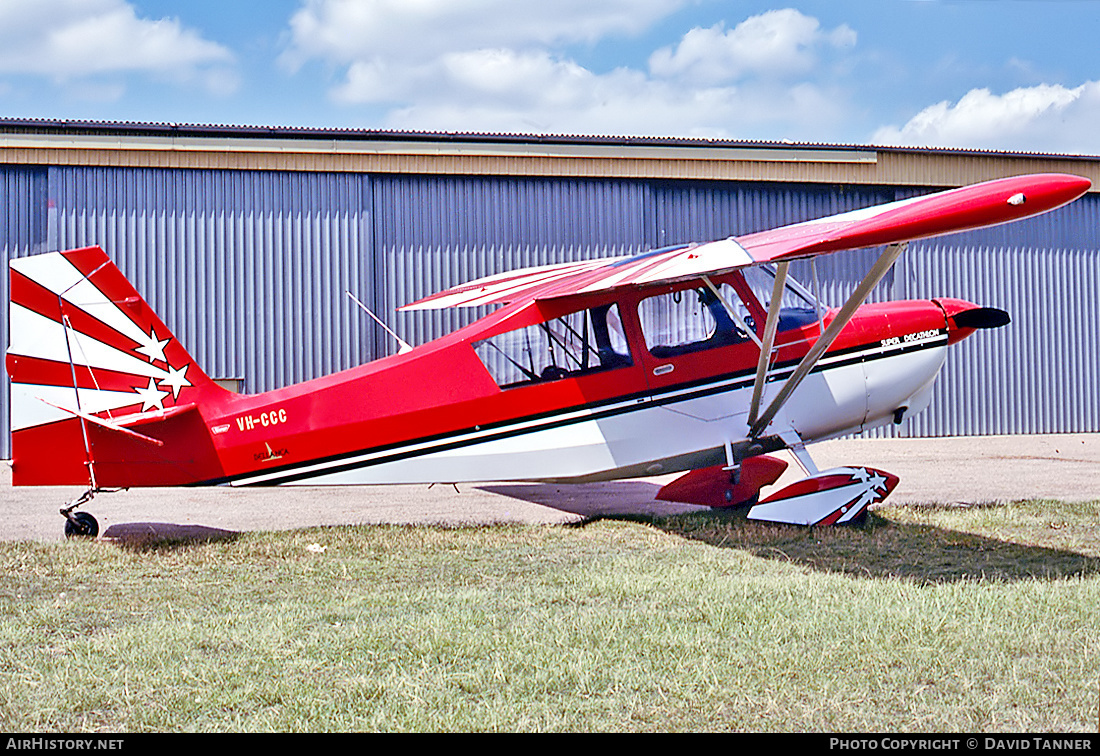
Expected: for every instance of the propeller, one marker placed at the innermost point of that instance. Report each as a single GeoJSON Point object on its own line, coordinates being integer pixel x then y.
{"type": "Point", "coordinates": [981, 317]}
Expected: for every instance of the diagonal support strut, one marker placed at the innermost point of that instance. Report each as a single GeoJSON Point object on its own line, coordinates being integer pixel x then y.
{"type": "Point", "coordinates": [843, 317]}
{"type": "Point", "coordinates": [771, 325]}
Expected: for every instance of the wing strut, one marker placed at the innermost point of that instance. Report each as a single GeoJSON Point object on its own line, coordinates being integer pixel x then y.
{"type": "Point", "coordinates": [844, 315]}
{"type": "Point", "coordinates": [771, 324]}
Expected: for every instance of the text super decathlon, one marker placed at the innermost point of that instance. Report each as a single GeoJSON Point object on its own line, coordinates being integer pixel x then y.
{"type": "Point", "coordinates": [700, 358]}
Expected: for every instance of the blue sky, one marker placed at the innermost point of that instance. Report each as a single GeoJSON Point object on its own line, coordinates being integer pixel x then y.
{"type": "Point", "coordinates": [987, 74]}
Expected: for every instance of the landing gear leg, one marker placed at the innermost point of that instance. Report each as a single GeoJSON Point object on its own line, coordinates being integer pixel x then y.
{"type": "Point", "coordinates": [80, 524]}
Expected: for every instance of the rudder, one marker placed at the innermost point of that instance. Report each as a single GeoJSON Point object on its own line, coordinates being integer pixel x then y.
{"type": "Point", "coordinates": [87, 355]}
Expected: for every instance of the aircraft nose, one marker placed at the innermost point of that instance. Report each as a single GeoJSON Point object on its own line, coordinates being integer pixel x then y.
{"type": "Point", "coordinates": [963, 318]}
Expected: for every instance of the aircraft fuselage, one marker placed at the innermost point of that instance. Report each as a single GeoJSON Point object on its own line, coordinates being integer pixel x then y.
{"type": "Point", "coordinates": [436, 414]}
{"type": "Point", "coordinates": [629, 383]}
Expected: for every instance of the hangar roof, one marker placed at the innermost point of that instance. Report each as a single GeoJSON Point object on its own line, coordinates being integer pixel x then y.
{"type": "Point", "coordinates": [164, 145]}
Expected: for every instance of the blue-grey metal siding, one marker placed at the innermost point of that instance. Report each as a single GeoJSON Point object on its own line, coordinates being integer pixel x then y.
{"type": "Point", "coordinates": [433, 233]}
{"type": "Point", "coordinates": [250, 269]}
{"type": "Point", "coordinates": [719, 210]}
{"type": "Point", "coordinates": [23, 231]}
{"type": "Point", "coordinates": [1041, 374]}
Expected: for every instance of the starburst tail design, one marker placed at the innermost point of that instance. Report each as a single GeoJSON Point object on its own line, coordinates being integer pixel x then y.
{"type": "Point", "coordinates": [86, 354]}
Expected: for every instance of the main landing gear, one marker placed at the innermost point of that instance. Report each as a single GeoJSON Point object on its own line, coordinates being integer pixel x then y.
{"type": "Point", "coordinates": [80, 524]}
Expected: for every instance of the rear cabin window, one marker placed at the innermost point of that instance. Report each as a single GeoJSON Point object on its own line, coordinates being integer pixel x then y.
{"type": "Point", "coordinates": [582, 342]}
{"type": "Point", "coordinates": [690, 320]}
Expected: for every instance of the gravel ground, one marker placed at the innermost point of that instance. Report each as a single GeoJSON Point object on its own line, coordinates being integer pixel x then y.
{"type": "Point", "coordinates": [947, 470]}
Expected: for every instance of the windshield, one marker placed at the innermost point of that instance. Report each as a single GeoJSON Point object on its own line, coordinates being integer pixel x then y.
{"type": "Point", "coordinates": [761, 279]}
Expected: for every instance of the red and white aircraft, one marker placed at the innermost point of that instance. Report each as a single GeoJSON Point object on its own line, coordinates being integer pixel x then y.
{"type": "Point", "coordinates": [701, 358]}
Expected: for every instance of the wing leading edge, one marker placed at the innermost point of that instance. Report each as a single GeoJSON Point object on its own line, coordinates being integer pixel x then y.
{"type": "Point", "coordinates": [977, 206]}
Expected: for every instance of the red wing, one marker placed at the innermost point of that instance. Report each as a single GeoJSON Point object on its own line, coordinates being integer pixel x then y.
{"type": "Point", "coordinates": [987, 204]}
{"type": "Point", "coordinates": [976, 206]}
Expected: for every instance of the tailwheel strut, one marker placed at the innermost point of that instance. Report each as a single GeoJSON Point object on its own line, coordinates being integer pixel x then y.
{"type": "Point", "coordinates": [80, 524]}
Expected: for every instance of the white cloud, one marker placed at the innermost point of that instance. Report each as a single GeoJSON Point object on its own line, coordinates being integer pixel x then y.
{"type": "Point", "coordinates": [778, 43]}
{"type": "Point", "coordinates": [497, 65]}
{"type": "Point", "coordinates": [349, 31]}
{"type": "Point", "coordinates": [505, 91]}
{"type": "Point", "coordinates": [1046, 118]}
{"type": "Point", "coordinates": [500, 75]}
{"type": "Point", "coordinates": [69, 40]}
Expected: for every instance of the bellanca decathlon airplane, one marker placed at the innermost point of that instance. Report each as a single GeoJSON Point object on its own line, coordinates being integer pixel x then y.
{"type": "Point", "coordinates": [700, 358]}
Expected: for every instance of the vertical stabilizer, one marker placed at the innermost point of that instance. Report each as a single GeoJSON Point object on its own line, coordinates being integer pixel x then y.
{"type": "Point", "coordinates": [87, 358]}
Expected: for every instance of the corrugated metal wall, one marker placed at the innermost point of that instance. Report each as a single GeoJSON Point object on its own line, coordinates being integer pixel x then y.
{"type": "Point", "coordinates": [23, 231]}
{"type": "Point", "coordinates": [718, 210]}
{"type": "Point", "coordinates": [1041, 374]}
{"type": "Point", "coordinates": [250, 269]}
{"type": "Point", "coordinates": [433, 233]}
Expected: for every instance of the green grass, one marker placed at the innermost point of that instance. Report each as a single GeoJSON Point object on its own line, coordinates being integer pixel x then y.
{"type": "Point", "coordinates": [983, 619]}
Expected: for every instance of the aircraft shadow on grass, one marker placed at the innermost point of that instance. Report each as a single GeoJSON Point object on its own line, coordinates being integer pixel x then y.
{"type": "Point", "coordinates": [877, 548]}
{"type": "Point", "coordinates": [142, 536]}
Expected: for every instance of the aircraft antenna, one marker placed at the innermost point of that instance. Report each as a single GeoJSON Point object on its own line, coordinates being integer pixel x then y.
{"type": "Point", "coordinates": [404, 346]}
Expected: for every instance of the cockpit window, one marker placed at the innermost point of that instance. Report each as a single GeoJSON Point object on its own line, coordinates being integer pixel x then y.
{"type": "Point", "coordinates": [579, 343]}
{"type": "Point", "coordinates": [690, 320]}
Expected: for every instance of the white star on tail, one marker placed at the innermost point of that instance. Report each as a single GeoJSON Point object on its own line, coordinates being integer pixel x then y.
{"type": "Point", "coordinates": [151, 396]}
{"type": "Point", "coordinates": [176, 380]}
{"type": "Point", "coordinates": [875, 489]}
{"type": "Point", "coordinates": [873, 481]}
{"type": "Point", "coordinates": [153, 348]}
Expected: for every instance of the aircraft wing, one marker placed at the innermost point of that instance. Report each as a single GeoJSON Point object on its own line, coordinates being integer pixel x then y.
{"type": "Point", "coordinates": [976, 206]}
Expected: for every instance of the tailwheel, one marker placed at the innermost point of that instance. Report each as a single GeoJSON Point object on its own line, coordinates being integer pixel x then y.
{"type": "Point", "coordinates": [81, 525]}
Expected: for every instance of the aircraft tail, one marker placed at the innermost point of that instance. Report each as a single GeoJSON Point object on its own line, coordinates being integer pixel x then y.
{"type": "Point", "coordinates": [101, 392]}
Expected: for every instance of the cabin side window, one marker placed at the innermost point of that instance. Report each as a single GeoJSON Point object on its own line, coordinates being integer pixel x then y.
{"type": "Point", "coordinates": [689, 320]}
{"type": "Point", "coordinates": [582, 342]}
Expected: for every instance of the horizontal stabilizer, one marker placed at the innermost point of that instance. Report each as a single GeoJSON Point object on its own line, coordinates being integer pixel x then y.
{"type": "Point", "coordinates": [109, 425]}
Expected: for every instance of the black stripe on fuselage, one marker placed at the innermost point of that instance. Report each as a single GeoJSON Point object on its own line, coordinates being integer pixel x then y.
{"type": "Point", "coordinates": [348, 461]}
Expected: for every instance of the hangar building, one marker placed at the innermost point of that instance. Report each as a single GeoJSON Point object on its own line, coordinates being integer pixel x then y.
{"type": "Point", "coordinates": [247, 241]}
